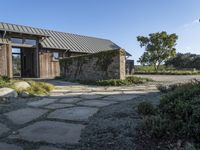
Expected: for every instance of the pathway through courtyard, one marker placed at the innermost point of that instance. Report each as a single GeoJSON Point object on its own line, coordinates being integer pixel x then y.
{"type": "Point", "coordinates": [55, 122]}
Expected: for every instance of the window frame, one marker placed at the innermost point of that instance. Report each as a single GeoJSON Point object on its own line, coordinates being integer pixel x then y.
{"type": "Point", "coordinates": [55, 58]}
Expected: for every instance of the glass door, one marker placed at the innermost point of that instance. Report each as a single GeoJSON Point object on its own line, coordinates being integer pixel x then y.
{"type": "Point", "coordinates": [16, 62]}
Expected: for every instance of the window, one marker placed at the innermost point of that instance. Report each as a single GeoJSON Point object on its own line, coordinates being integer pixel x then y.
{"type": "Point", "coordinates": [16, 40]}
{"type": "Point", "coordinates": [23, 41]}
{"type": "Point", "coordinates": [16, 50]}
{"type": "Point", "coordinates": [30, 42]}
{"type": "Point", "coordinates": [55, 55]}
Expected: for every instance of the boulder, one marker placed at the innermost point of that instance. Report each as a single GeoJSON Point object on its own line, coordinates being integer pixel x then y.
{"type": "Point", "coordinates": [8, 92]}
{"type": "Point", "coordinates": [21, 85]}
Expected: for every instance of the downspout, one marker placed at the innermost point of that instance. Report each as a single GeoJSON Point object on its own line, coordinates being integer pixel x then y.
{"type": "Point", "coordinates": [4, 34]}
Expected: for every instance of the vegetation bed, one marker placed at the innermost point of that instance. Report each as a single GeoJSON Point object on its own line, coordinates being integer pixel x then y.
{"type": "Point", "coordinates": [115, 82]}
{"type": "Point", "coordinates": [176, 123]}
{"type": "Point", "coordinates": [36, 88]}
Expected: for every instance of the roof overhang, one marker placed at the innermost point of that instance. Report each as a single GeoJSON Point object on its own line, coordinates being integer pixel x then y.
{"type": "Point", "coordinates": [24, 33]}
{"type": "Point", "coordinates": [128, 54]}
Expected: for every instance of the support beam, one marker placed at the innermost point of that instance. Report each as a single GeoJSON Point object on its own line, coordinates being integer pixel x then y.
{"type": "Point", "coordinates": [6, 60]}
{"type": "Point", "coordinates": [9, 61]}
{"type": "Point", "coordinates": [36, 55]}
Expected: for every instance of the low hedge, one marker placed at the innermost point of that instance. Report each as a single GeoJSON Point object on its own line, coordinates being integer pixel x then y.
{"type": "Point", "coordinates": [114, 82]}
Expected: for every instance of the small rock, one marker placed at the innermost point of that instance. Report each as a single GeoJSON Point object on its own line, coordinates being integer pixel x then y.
{"type": "Point", "coordinates": [2, 99]}
{"type": "Point", "coordinates": [22, 85]}
{"type": "Point", "coordinates": [24, 94]}
{"type": "Point", "coordinates": [8, 92]}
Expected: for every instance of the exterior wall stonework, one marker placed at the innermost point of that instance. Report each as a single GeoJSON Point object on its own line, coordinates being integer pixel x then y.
{"type": "Point", "coordinates": [98, 66]}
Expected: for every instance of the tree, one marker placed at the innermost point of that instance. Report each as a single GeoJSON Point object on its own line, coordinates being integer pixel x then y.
{"type": "Point", "coordinates": [159, 47]}
{"type": "Point", "coordinates": [184, 61]}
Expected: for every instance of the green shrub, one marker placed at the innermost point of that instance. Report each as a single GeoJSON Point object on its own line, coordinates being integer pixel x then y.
{"type": "Point", "coordinates": [128, 81]}
{"type": "Point", "coordinates": [168, 88]}
{"type": "Point", "coordinates": [155, 126]}
{"type": "Point", "coordinates": [46, 86]}
{"type": "Point", "coordinates": [178, 115]}
{"type": "Point", "coordinates": [146, 108]}
{"type": "Point", "coordinates": [4, 81]}
{"type": "Point", "coordinates": [115, 82]}
{"type": "Point", "coordinates": [39, 88]}
{"type": "Point", "coordinates": [138, 80]}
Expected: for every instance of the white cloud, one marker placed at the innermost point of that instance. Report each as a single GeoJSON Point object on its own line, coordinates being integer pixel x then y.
{"type": "Point", "coordinates": [196, 21]}
{"type": "Point", "coordinates": [189, 35]}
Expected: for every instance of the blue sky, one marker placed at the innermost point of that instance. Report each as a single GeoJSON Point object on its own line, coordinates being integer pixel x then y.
{"type": "Point", "coordinates": [118, 20]}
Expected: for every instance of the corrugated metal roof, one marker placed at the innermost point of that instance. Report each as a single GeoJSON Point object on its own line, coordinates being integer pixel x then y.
{"type": "Point", "coordinates": [61, 40]}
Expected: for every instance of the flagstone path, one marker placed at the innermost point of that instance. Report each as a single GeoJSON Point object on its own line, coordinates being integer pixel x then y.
{"type": "Point", "coordinates": [55, 122]}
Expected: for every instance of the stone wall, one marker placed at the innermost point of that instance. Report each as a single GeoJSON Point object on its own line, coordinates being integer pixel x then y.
{"type": "Point", "coordinates": [98, 66]}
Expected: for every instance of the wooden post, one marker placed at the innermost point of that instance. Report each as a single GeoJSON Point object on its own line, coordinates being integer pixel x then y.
{"type": "Point", "coordinates": [9, 60]}
{"type": "Point", "coordinates": [37, 67]}
{"type": "Point", "coordinates": [3, 60]}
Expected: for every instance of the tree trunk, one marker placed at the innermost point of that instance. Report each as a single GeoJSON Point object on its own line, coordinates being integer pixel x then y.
{"type": "Point", "coordinates": [155, 67]}
{"type": "Point", "coordinates": [158, 66]}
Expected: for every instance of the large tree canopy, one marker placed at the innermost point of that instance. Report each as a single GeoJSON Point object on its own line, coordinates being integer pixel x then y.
{"type": "Point", "coordinates": [159, 47]}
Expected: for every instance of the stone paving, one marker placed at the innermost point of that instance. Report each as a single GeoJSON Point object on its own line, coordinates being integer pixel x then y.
{"type": "Point", "coordinates": [22, 116]}
{"type": "Point", "coordinates": [51, 132]}
{"type": "Point", "coordinates": [57, 120]}
{"type": "Point", "coordinates": [5, 146]}
{"type": "Point", "coordinates": [3, 129]}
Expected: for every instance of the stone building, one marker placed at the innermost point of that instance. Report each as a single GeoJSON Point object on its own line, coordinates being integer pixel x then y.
{"type": "Point", "coordinates": [35, 53]}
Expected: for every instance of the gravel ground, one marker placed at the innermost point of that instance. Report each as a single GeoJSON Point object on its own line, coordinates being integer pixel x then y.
{"type": "Point", "coordinates": [114, 127]}
{"type": "Point", "coordinates": [170, 79]}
